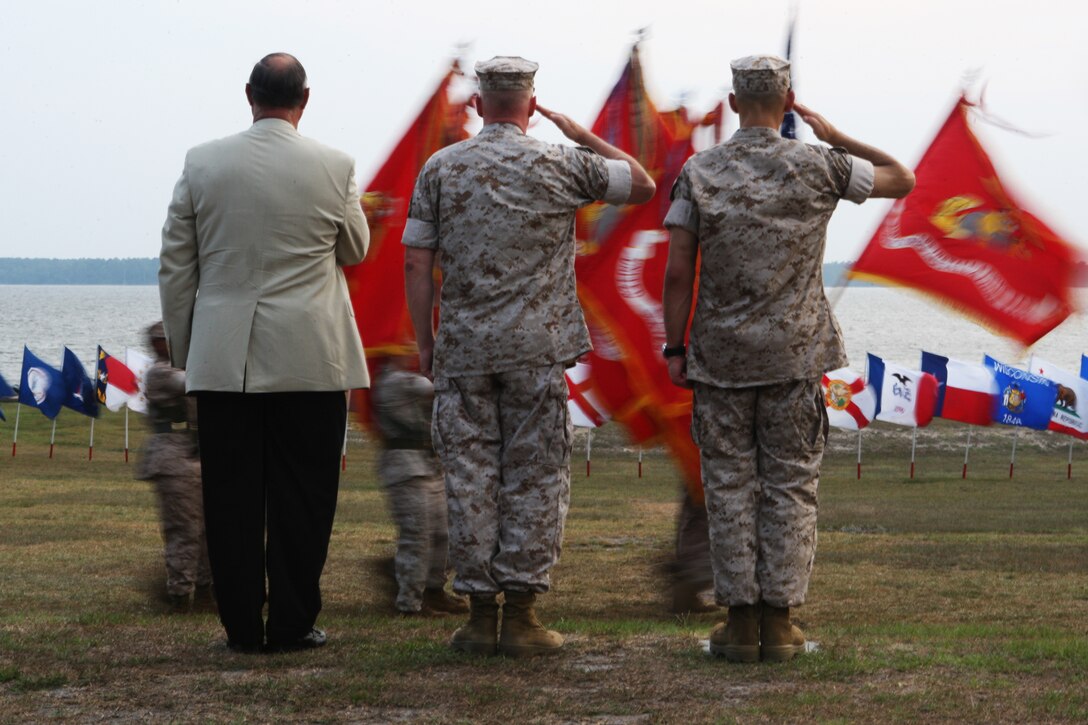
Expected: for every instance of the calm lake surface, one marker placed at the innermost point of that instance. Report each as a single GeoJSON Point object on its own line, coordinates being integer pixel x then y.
{"type": "Point", "coordinates": [891, 323]}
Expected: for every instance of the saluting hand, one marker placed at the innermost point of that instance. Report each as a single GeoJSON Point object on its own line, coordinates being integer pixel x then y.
{"type": "Point", "coordinates": [568, 126]}
{"type": "Point", "coordinates": [820, 125]}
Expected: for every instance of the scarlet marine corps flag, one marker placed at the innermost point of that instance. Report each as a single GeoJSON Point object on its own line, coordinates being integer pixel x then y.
{"type": "Point", "coordinates": [961, 238]}
{"type": "Point", "coordinates": [376, 284]}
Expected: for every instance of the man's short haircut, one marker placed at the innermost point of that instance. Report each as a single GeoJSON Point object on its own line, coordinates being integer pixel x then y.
{"type": "Point", "coordinates": [506, 101]}
{"type": "Point", "coordinates": [763, 101]}
{"type": "Point", "coordinates": [278, 81]}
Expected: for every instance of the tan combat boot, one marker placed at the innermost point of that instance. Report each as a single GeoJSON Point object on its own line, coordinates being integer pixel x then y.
{"type": "Point", "coordinates": [781, 639]}
{"type": "Point", "coordinates": [737, 638]}
{"type": "Point", "coordinates": [480, 634]}
{"type": "Point", "coordinates": [439, 600]}
{"type": "Point", "coordinates": [522, 634]}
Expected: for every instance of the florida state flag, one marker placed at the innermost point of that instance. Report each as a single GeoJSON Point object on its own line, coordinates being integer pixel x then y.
{"type": "Point", "coordinates": [960, 237]}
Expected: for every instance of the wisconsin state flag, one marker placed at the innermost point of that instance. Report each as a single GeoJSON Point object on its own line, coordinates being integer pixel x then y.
{"type": "Point", "coordinates": [961, 238]}
{"type": "Point", "coordinates": [1023, 398]}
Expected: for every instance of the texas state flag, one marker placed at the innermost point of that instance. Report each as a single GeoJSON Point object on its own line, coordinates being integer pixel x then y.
{"type": "Point", "coordinates": [41, 386]}
{"type": "Point", "coordinates": [851, 404]}
{"type": "Point", "coordinates": [965, 391]}
{"type": "Point", "coordinates": [903, 396]}
{"type": "Point", "coordinates": [1023, 398]}
{"type": "Point", "coordinates": [1070, 414]}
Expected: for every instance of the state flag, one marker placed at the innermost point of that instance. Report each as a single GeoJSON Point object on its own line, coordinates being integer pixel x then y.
{"type": "Point", "coordinates": [851, 403]}
{"type": "Point", "coordinates": [116, 383]}
{"type": "Point", "coordinates": [1070, 414]}
{"type": "Point", "coordinates": [965, 391]}
{"type": "Point", "coordinates": [81, 395]}
{"type": "Point", "coordinates": [1023, 398]}
{"type": "Point", "coordinates": [903, 396]}
{"type": "Point", "coordinates": [5, 392]}
{"type": "Point", "coordinates": [1084, 366]}
{"type": "Point", "coordinates": [41, 386]}
{"type": "Point", "coordinates": [138, 363]}
{"type": "Point", "coordinates": [586, 410]}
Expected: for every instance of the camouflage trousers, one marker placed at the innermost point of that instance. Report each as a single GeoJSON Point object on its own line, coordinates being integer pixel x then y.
{"type": "Point", "coordinates": [418, 507]}
{"type": "Point", "coordinates": [760, 450]}
{"type": "Point", "coordinates": [181, 511]}
{"type": "Point", "coordinates": [505, 443]}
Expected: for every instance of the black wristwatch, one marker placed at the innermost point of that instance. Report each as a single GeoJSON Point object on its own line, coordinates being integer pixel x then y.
{"type": "Point", "coordinates": [673, 351]}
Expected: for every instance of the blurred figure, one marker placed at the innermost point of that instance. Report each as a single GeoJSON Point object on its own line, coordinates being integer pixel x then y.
{"type": "Point", "coordinates": [409, 472]}
{"type": "Point", "coordinates": [171, 461]}
{"type": "Point", "coordinates": [691, 572]}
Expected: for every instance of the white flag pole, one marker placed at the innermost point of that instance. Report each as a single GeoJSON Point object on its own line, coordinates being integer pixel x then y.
{"type": "Point", "coordinates": [1012, 461]}
{"type": "Point", "coordinates": [53, 438]}
{"type": "Point", "coordinates": [640, 458]}
{"type": "Point", "coordinates": [126, 432]}
{"type": "Point", "coordinates": [589, 445]}
{"type": "Point", "coordinates": [913, 447]}
{"type": "Point", "coordinates": [1069, 468]}
{"type": "Point", "coordinates": [90, 444]}
{"type": "Point", "coordinates": [15, 438]}
{"type": "Point", "coordinates": [858, 454]}
{"type": "Point", "coordinates": [966, 452]}
{"type": "Point", "coordinates": [344, 451]}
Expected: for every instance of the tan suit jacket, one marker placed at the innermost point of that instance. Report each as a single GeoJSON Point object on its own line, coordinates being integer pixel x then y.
{"type": "Point", "coordinates": [253, 298]}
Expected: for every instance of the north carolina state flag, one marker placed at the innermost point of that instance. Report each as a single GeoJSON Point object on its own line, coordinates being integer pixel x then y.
{"type": "Point", "coordinates": [960, 237]}
{"type": "Point", "coordinates": [116, 384]}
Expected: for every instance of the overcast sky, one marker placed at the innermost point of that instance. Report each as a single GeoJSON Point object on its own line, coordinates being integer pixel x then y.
{"type": "Point", "coordinates": [104, 98]}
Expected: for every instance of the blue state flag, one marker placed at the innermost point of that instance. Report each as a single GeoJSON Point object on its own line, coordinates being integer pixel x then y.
{"type": "Point", "coordinates": [41, 386]}
{"type": "Point", "coordinates": [1023, 398]}
{"type": "Point", "coordinates": [80, 391]}
{"type": "Point", "coordinates": [1084, 366]}
{"type": "Point", "coordinates": [5, 392]}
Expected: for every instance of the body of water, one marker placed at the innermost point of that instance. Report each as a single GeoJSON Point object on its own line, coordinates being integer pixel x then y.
{"type": "Point", "coordinates": [892, 323]}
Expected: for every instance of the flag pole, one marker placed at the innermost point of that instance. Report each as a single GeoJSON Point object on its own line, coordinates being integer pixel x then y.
{"type": "Point", "coordinates": [913, 447]}
{"type": "Point", "coordinates": [53, 438]}
{"type": "Point", "coordinates": [966, 452]}
{"type": "Point", "coordinates": [344, 451]}
{"type": "Point", "coordinates": [1012, 461]}
{"type": "Point", "coordinates": [589, 445]}
{"type": "Point", "coordinates": [1069, 468]}
{"type": "Point", "coordinates": [14, 438]}
{"type": "Point", "coordinates": [640, 458]}
{"type": "Point", "coordinates": [126, 433]}
{"type": "Point", "coordinates": [90, 444]}
{"type": "Point", "coordinates": [859, 454]}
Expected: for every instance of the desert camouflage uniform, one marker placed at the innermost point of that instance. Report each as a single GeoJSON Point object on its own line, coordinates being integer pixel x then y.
{"type": "Point", "coordinates": [761, 337]}
{"type": "Point", "coordinates": [171, 461]}
{"type": "Point", "coordinates": [408, 469]}
{"type": "Point", "coordinates": [499, 211]}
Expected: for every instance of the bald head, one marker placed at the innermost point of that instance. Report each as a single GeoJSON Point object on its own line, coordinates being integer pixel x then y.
{"type": "Point", "coordinates": [278, 80]}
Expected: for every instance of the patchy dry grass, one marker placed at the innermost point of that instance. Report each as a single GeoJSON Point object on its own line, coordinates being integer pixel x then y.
{"type": "Point", "coordinates": [935, 599]}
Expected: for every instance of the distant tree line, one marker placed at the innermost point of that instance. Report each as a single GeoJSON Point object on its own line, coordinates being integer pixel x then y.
{"type": "Point", "coordinates": [18, 270]}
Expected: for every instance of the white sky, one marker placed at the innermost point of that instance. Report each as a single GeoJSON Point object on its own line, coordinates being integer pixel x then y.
{"type": "Point", "coordinates": [104, 98]}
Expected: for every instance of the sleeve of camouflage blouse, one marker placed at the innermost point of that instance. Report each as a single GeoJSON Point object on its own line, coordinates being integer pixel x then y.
{"type": "Point", "coordinates": [421, 228]}
{"type": "Point", "coordinates": [597, 178]}
{"type": "Point", "coordinates": [852, 176]}
{"type": "Point", "coordinates": [683, 211]}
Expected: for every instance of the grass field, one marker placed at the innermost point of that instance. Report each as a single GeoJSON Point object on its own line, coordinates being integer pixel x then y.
{"type": "Point", "coordinates": [934, 599]}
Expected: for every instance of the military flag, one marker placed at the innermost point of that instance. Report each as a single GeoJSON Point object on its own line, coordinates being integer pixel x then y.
{"type": "Point", "coordinates": [620, 266]}
{"type": "Point", "coordinates": [903, 396]}
{"type": "Point", "coordinates": [1070, 415]}
{"type": "Point", "coordinates": [1024, 398]}
{"type": "Point", "coordinates": [961, 238]}
{"type": "Point", "coordinates": [376, 284]}
{"type": "Point", "coordinates": [41, 386]}
{"type": "Point", "coordinates": [81, 394]}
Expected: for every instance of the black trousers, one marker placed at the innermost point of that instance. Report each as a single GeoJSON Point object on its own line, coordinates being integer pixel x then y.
{"type": "Point", "coordinates": [271, 470]}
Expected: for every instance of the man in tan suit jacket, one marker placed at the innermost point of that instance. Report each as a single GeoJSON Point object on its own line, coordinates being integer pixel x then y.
{"type": "Point", "coordinates": [256, 310]}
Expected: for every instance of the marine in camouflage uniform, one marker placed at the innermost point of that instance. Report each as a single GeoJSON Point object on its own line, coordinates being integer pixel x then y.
{"type": "Point", "coordinates": [756, 209]}
{"type": "Point", "coordinates": [497, 211]}
{"type": "Point", "coordinates": [171, 461]}
{"type": "Point", "coordinates": [409, 472]}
